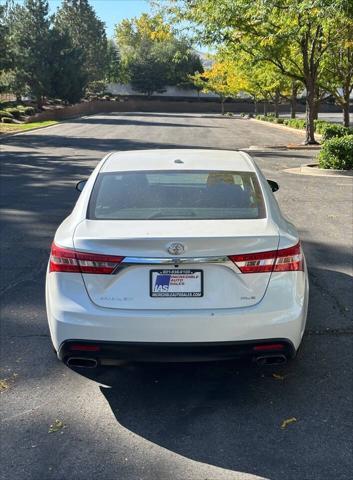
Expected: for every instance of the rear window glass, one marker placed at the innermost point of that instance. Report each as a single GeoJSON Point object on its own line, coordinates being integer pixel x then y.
{"type": "Point", "coordinates": [170, 195]}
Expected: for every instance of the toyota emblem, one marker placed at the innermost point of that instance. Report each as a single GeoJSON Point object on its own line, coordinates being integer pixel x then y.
{"type": "Point", "coordinates": [176, 248]}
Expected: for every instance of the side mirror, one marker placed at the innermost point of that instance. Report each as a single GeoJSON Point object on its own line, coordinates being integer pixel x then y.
{"type": "Point", "coordinates": [274, 185]}
{"type": "Point", "coordinates": [81, 185]}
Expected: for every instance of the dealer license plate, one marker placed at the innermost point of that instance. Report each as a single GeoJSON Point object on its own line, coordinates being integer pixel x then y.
{"type": "Point", "coordinates": [176, 283]}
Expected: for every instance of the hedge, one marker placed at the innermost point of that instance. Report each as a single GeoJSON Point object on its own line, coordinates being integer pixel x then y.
{"type": "Point", "coordinates": [15, 112]}
{"type": "Point", "coordinates": [337, 153]}
{"type": "Point", "coordinates": [331, 131]}
{"type": "Point", "coordinates": [5, 114]}
{"type": "Point", "coordinates": [7, 120]}
{"type": "Point", "coordinates": [26, 110]}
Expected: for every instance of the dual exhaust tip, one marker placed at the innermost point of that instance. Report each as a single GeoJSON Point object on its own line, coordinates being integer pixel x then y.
{"type": "Point", "coordinates": [261, 361]}
{"type": "Point", "coordinates": [81, 362]}
{"type": "Point", "coordinates": [264, 360]}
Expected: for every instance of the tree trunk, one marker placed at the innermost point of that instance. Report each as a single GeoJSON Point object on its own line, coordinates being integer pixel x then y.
{"type": "Point", "coordinates": [293, 100]}
{"type": "Point", "coordinates": [222, 105]}
{"type": "Point", "coordinates": [265, 108]}
{"type": "Point", "coordinates": [345, 110]}
{"type": "Point", "coordinates": [316, 108]}
{"type": "Point", "coordinates": [276, 103]}
{"type": "Point", "coordinates": [255, 106]}
{"type": "Point", "coordinates": [345, 106]}
{"type": "Point", "coordinates": [310, 114]}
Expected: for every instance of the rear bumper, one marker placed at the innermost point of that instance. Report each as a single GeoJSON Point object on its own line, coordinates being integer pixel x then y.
{"type": "Point", "coordinates": [280, 315]}
{"type": "Point", "coordinates": [107, 352]}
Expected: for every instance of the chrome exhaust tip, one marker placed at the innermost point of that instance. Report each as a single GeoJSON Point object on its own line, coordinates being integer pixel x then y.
{"type": "Point", "coordinates": [81, 362]}
{"type": "Point", "coordinates": [271, 360]}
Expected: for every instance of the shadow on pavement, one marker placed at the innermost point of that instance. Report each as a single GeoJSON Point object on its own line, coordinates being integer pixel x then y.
{"type": "Point", "coordinates": [229, 414]}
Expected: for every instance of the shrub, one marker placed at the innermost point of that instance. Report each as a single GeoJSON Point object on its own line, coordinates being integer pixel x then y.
{"type": "Point", "coordinates": [337, 153]}
{"type": "Point", "coordinates": [333, 130]}
{"type": "Point", "coordinates": [29, 110]}
{"type": "Point", "coordinates": [279, 120]}
{"type": "Point", "coordinates": [15, 112]}
{"type": "Point", "coordinates": [7, 120]}
{"type": "Point", "coordinates": [320, 125]}
{"type": "Point", "coordinates": [242, 114]}
{"type": "Point", "coordinates": [5, 114]}
{"type": "Point", "coordinates": [295, 123]}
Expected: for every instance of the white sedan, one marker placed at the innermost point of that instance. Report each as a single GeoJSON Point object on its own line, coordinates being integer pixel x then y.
{"type": "Point", "coordinates": [176, 255]}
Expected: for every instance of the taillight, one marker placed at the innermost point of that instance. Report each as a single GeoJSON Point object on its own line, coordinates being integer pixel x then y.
{"type": "Point", "coordinates": [69, 260]}
{"type": "Point", "coordinates": [284, 260]}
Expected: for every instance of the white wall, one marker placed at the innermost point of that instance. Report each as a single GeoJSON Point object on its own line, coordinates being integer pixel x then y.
{"type": "Point", "coordinates": [121, 89]}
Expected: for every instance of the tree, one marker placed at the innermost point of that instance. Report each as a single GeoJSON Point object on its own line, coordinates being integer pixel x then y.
{"type": "Point", "coordinates": [147, 71]}
{"type": "Point", "coordinates": [29, 37]}
{"type": "Point", "coordinates": [222, 79]}
{"type": "Point", "coordinates": [86, 31]}
{"type": "Point", "coordinates": [294, 36]}
{"type": "Point", "coordinates": [68, 80]}
{"type": "Point", "coordinates": [337, 76]}
{"type": "Point", "coordinates": [112, 63]}
{"type": "Point", "coordinates": [152, 56]}
{"type": "Point", "coordinates": [4, 41]}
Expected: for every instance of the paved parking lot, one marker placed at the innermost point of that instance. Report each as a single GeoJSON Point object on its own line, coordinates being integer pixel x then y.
{"type": "Point", "coordinates": [157, 422]}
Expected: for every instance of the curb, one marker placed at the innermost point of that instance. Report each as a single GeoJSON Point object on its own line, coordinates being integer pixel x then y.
{"type": "Point", "coordinates": [312, 170]}
{"type": "Point", "coordinates": [284, 127]}
{"type": "Point", "coordinates": [2, 137]}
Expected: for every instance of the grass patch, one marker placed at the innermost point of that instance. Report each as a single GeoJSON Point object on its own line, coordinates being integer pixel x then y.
{"type": "Point", "coordinates": [22, 127]}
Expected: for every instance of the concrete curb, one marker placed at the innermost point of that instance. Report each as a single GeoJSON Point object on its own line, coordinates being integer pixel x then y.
{"type": "Point", "coordinates": [313, 170]}
{"type": "Point", "coordinates": [2, 137]}
{"type": "Point", "coordinates": [285, 127]}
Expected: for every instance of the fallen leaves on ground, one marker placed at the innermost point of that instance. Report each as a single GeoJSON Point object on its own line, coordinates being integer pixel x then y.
{"type": "Point", "coordinates": [287, 422]}
{"type": "Point", "coordinates": [56, 426]}
{"type": "Point", "coordinates": [4, 384]}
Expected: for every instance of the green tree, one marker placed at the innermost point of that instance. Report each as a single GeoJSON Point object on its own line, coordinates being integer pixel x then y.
{"type": "Point", "coordinates": [29, 38]}
{"type": "Point", "coordinates": [112, 63]}
{"type": "Point", "coordinates": [337, 77]}
{"type": "Point", "coordinates": [68, 80]}
{"type": "Point", "coordinates": [153, 55]}
{"type": "Point", "coordinates": [147, 71]}
{"type": "Point", "coordinates": [86, 31]}
{"type": "Point", "coordinates": [4, 41]}
{"type": "Point", "coordinates": [291, 35]}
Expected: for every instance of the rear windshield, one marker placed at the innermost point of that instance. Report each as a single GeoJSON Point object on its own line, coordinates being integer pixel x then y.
{"type": "Point", "coordinates": [182, 195]}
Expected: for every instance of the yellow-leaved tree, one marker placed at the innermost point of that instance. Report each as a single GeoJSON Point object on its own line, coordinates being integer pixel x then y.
{"type": "Point", "coordinates": [222, 78]}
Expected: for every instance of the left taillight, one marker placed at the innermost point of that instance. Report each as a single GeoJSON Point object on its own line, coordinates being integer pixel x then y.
{"type": "Point", "coordinates": [282, 260]}
{"type": "Point", "coordinates": [72, 261]}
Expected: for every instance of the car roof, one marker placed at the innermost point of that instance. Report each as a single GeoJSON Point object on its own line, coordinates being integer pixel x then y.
{"type": "Point", "coordinates": [181, 159]}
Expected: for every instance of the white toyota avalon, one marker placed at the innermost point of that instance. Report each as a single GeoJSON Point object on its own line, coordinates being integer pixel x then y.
{"type": "Point", "coordinates": [176, 255]}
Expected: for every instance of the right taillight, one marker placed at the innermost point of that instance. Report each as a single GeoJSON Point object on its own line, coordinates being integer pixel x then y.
{"type": "Point", "coordinates": [283, 260]}
{"type": "Point", "coordinates": [71, 261]}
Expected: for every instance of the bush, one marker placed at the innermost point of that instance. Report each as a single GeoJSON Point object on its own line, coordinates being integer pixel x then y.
{"type": "Point", "coordinates": [29, 110]}
{"type": "Point", "coordinates": [15, 112]}
{"type": "Point", "coordinates": [320, 125]}
{"type": "Point", "coordinates": [333, 130]}
{"type": "Point", "coordinates": [7, 120]}
{"type": "Point", "coordinates": [295, 123]}
{"type": "Point", "coordinates": [242, 114]}
{"type": "Point", "coordinates": [5, 114]}
{"type": "Point", "coordinates": [337, 153]}
{"type": "Point", "coordinates": [279, 120]}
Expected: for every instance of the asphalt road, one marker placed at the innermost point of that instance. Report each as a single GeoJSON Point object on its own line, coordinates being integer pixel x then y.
{"type": "Point", "coordinates": [180, 422]}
